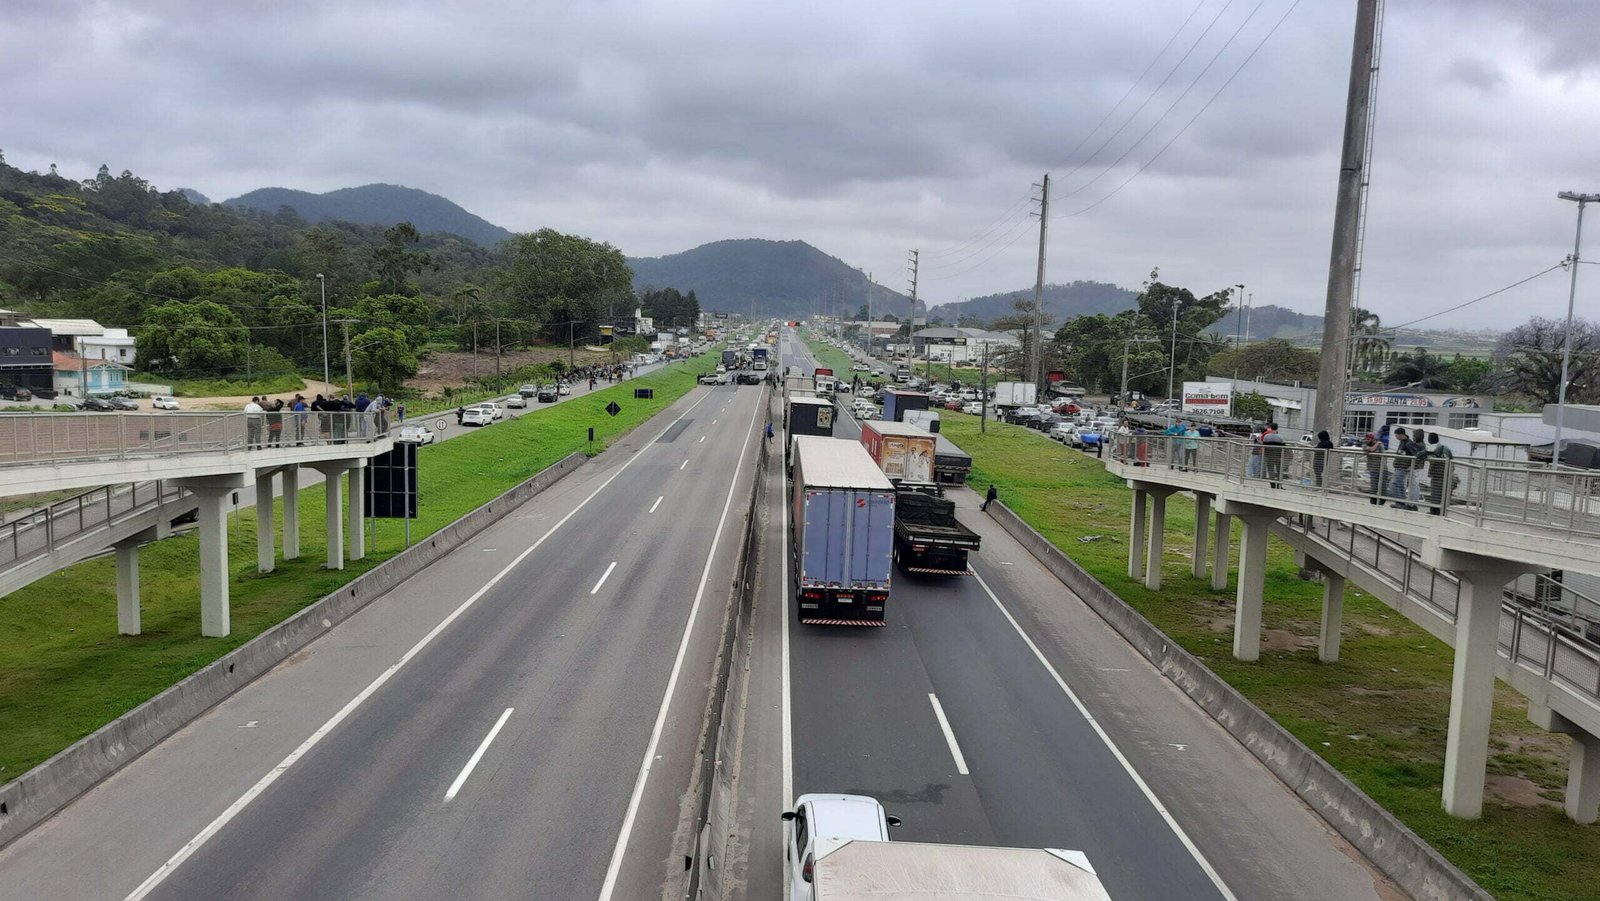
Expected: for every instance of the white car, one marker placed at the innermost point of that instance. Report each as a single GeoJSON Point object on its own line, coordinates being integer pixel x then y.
{"type": "Point", "coordinates": [834, 819]}
{"type": "Point", "coordinates": [476, 416]}
{"type": "Point", "coordinates": [164, 402]}
{"type": "Point", "coordinates": [864, 411]}
{"type": "Point", "coordinates": [563, 388]}
{"type": "Point", "coordinates": [517, 402]}
{"type": "Point", "coordinates": [973, 407]}
{"type": "Point", "coordinates": [496, 412]}
{"type": "Point", "coordinates": [417, 434]}
{"type": "Point", "coordinates": [1067, 433]}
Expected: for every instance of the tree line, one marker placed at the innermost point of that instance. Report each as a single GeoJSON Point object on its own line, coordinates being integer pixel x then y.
{"type": "Point", "coordinates": [210, 291]}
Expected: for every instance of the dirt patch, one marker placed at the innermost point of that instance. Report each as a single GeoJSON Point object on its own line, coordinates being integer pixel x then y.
{"type": "Point", "coordinates": [1516, 791]}
{"type": "Point", "coordinates": [1281, 640]}
{"type": "Point", "coordinates": [1361, 691]}
{"type": "Point", "coordinates": [456, 368]}
{"type": "Point", "coordinates": [1374, 629]}
{"type": "Point", "coordinates": [1220, 624]}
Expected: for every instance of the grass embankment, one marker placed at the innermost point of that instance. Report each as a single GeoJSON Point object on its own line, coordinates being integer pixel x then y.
{"type": "Point", "coordinates": [269, 384]}
{"type": "Point", "coordinates": [1379, 714]}
{"type": "Point", "coordinates": [830, 357]}
{"type": "Point", "coordinates": [64, 670]}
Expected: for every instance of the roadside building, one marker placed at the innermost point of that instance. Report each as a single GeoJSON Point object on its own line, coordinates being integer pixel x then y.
{"type": "Point", "coordinates": [1368, 410]}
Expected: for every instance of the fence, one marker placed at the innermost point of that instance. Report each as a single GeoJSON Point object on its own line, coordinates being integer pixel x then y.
{"type": "Point", "coordinates": [30, 439]}
{"type": "Point", "coordinates": [1480, 491]}
{"type": "Point", "coordinates": [35, 533]}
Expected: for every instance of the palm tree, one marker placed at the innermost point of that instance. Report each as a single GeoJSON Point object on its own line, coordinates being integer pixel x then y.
{"type": "Point", "coordinates": [1370, 348]}
{"type": "Point", "coordinates": [1417, 369]}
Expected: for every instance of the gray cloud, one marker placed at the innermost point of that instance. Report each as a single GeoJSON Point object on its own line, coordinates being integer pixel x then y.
{"type": "Point", "coordinates": [865, 129]}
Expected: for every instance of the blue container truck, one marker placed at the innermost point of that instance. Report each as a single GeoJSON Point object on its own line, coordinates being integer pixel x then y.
{"type": "Point", "coordinates": [842, 533]}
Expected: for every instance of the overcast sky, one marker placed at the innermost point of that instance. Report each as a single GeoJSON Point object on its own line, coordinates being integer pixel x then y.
{"type": "Point", "coordinates": [871, 128]}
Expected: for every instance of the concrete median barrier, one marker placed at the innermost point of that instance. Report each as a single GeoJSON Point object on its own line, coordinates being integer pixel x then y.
{"type": "Point", "coordinates": [1385, 841]}
{"type": "Point", "coordinates": [50, 786]}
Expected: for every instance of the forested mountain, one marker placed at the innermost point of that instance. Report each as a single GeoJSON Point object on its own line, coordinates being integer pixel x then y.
{"type": "Point", "coordinates": [766, 278]}
{"type": "Point", "coordinates": [1061, 302]}
{"type": "Point", "coordinates": [376, 205]}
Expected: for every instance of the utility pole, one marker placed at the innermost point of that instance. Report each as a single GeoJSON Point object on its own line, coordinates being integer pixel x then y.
{"type": "Point", "coordinates": [497, 350]}
{"type": "Point", "coordinates": [1346, 226]}
{"type": "Point", "coordinates": [911, 334]}
{"type": "Point", "coordinates": [1038, 287]}
{"type": "Point", "coordinates": [1238, 320]}
{"type": "Point", "coordinates": [983, 391]}
{"type": "Point", "coordinates": [1122, 399]}
{"type": "Point", "coordinates": [1566, 340]}
{"type": "Point", "coordinates": [323, 283]}
{"type": "Point", "coordinates": [1172, 359]}
{"type": "Point", "coordinates": [869, 314]}
{"type": "Point", "coordinates": [349, 380]}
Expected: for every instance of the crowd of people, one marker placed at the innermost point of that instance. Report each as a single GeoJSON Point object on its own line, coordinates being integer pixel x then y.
{"type": "Point", "coordinates": [1406, 468]}
{"type": "Point", "coordinates": [274, 423]}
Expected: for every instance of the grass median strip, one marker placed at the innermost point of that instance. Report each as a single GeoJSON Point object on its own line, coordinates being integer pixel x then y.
{"type": "Point", "coordinates": [1379, 714]}
{"type": "Point", "coordinates": [64, 670]}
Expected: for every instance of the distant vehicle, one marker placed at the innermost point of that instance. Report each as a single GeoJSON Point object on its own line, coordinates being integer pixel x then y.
{"type": "Point", "coordinates": [528, 390]}
{"type": "Point", "coordinates": [97, 405]}
{"type": "Point", "coordinates": [417, 434]}
{"type": "Point", "coordinates": [973, 407]}
{"type": "Point", "coordinates": [15, 392]}
{"type": "Point", "coordinates": [902, 373]}
{"type": "Point", "coordinates": [856, 869]}
{"type": "Point", "coordinates": [749, 377]}
{"type": "Point", "coordinates": [563, 389]}
{"type": "Point", "coordinates": [842, 533]}
{"type": "Point", "coordinates": [904, 452]}
{"type": "Point", "coordinates": [714, 378]}
{"type": "Point", "coordinates": [476, 416]}
{"type": "Point", "coordinates": [518, 401]}
{"type": "Point", "coordinates": [897, 402]}
{"type": "Point", "coordinates": [494, 411]}
{"type": "Point", "coordinates": [547, 394]}
{"type": "Point", "coordinates": [1016, 394]}
{"type": "Point", "coordinates": [1067, 433]}
{"type": "Point", "coordinates": [864, 410]}
{"type": "Point", "coordinates": [164, 402]}
{"type": "Point", "coordinates": [951, 464]}
{"type": "Point", "coordinates": [124, 403]}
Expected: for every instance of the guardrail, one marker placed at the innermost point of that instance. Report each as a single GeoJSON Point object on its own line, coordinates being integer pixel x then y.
{"type": "Point", "coordinates": [35, 438]}
{"type": "Point", "coordinates": [1565, 500]}
{"type": "Point", "coordinates": [36, 533]}
{"type": "Point", "coordinates": [1528, 636]}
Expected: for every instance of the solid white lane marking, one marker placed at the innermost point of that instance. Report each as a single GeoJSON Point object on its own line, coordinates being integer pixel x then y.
{"type": "Point", "coordinates": [477, 755]}
{"type": "Point", "coordinates": [1116, 752]}
{"type": "Point", "coordinates": [788, 741]}
{"type": "Point", "coordinates": [615, 867]}
{"type": "Point", "coordinates": [657, 503]}
{"type": "Point", "coordinates": [603, 576]}
{"type": "Point", "coordinates": [949, 734]}
{"type": "Point", "coordinates": [685, 463]}
{"type": "Point", "coordinates": [194, 844]}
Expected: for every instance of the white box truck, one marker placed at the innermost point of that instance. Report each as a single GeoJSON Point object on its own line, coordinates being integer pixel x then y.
{"type": "Point", "coordinates": [912, 871]}
{"type": "Point", "coordinates": [1015, 394]}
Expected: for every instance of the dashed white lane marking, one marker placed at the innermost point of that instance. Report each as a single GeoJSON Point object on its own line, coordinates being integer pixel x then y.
{"type": "Point", "coordinates": [477, 755]}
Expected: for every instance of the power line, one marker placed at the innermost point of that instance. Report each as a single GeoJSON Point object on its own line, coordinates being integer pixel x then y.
{"type": "Point", "coordinates": [1192, 119]}
{"type": "Point", "coordinates": [1515, 284]}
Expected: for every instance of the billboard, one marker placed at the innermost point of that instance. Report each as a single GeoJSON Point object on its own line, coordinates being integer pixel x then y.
{"type": "Point", "coordinates": [1211, 398]}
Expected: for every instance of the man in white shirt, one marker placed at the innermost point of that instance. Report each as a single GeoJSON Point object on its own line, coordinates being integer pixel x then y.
{"type": "Point", "coordinates": [252, 423]}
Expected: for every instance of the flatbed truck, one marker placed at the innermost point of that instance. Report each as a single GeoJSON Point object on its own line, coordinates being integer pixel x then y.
{"type": "Point", "coordinates": [928, 538]}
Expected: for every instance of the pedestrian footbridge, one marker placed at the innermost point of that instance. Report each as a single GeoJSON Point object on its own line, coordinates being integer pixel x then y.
{"type": "Point", "coordinates": [142, 471]}
{"type": "Point", "coordinates": [1468, 564]}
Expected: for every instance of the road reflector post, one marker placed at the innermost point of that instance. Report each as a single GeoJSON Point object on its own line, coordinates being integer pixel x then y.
{"type": "Point", "coordinates": [591, 433]}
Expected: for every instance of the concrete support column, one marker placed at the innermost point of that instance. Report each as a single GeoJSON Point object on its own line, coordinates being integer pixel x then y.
{"type": "Point", "coordinates": [1466, 752]}
{"type": "Point", "coordinates": [334, 489]}
{"type": "Point", "coordinates": [266, 546]}
{"type": "Point", "coordinates": [291, 513]}
{"type": "Point", "coordinates": [128, 587]}
{"type": "Point", "coordinates": [1252, 588]}
{"type": "Point", "coordinates": [1202, 531]}
{"type": "Point", "coordinates": [358, 521]}
{"type": "Point", "coordinates": [1136, 530]}
{"type": "Point", "coordinates": [1332, 617]}
{"type": "Point", "coordinates": [1219, 552]}
{"type": "Point", "coordinates": [1157, 546]}
{"type": "Point", "coordinates": [214, 615]}
{"type": "Point", "coordinates": [1583, 778]}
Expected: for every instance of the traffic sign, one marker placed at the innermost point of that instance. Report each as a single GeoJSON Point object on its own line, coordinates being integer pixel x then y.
{"type": "Point", "coordinates": [613, 408]}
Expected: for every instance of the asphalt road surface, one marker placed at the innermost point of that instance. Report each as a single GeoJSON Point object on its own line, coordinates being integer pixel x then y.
{"type": "Point", "coordinates": [997, 709]}
{"type": "Point", "coordinates": [519, 720]}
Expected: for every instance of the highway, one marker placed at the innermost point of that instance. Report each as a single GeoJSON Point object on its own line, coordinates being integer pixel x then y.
{"type": "Point", "coordinates": [997, 709]}
{"type": "Point", "coordinates": [518, 720]}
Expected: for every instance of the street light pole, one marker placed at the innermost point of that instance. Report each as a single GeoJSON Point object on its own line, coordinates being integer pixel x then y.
{"type": "Point", "coordinates": [1238, 321]}
{"type": "Point", "coordinates": [323, 283]}
{"type": "Point", "coordinates": [1566, 343]}
{"type": "Point", "coordinates": [1172, 360]}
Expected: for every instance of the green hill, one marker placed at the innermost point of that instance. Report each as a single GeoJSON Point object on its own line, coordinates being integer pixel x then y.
{"type": "Point", "coordinates": [766, 278]}
{"type": "Point", "coordinates": [1061, 302]}
{"type": "Point", "coordinates": [376, 205]}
